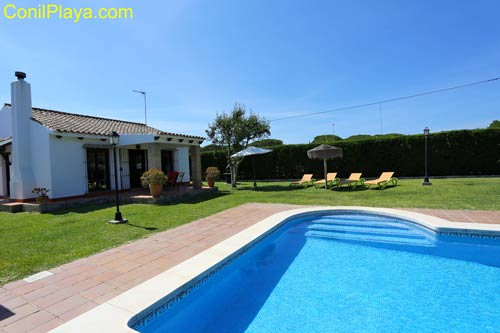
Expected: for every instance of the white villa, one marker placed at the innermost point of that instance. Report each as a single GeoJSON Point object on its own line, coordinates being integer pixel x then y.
{"type": "Point", "coordinates": [71, 155]}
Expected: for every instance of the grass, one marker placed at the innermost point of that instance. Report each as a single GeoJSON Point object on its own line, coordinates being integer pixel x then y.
{"type": "Point", "coordinates": [33, 242]}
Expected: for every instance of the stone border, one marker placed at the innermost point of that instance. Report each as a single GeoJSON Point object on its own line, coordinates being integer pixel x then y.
{"type": "Point", "coordinates": [114, 315]}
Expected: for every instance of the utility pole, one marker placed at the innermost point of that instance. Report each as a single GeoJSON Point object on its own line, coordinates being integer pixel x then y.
{"type": "Point", "coordinates": [145, 113]}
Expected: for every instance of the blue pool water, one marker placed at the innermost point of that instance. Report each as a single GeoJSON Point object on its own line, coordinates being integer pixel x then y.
{"type": "Point", "coordinates": [345, 273]}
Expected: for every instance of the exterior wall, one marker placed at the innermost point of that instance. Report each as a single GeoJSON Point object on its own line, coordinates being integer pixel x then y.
{"type": "Point", "coordinates": [40, 152]}
{"type": "Point", "coordinates": [68, 166]}
{"type": "Point", "coordinates": [3, 186]}
{"type": "Point", "coordinates": [5, 132]}
{"type": "Point", "coordinates": [5, 122]}
{"type": "Point", "coordinates": [3, 174]}
{"type": "Point", "coordinates": [181, 162]}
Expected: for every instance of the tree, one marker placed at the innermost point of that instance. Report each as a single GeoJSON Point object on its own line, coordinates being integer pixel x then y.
{"type": "Point", "coordinates": [211, 147]}
{"type": "Point", "coordinates": [267, 143]}
{"type": "Point", "coordinates": [358, 137]}
{"type": "Point", "coordinates": [234, 131]}
{"type": "Point", "coordinates": [326, 138]}
{"type": "Point", "coordinates": [494, 124]}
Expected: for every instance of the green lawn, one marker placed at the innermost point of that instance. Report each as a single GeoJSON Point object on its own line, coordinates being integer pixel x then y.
{"type": "Point", "coordinates": [32, 242]}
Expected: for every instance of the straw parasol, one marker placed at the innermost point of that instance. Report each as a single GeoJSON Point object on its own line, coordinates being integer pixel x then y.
{"type": "Point", "coordinates": [324, 152]}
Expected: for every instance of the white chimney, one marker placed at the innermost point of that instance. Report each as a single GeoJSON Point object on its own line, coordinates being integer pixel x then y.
{"type": "Point", "coordinates": [22, 180]}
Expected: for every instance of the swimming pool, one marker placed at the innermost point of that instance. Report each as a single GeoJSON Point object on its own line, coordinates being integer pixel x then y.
{"type": "Point", "coordinates": [343, 271]}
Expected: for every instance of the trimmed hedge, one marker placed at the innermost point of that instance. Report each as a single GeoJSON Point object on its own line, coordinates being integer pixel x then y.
{"type": "Point", "coordinates": [463, 152]}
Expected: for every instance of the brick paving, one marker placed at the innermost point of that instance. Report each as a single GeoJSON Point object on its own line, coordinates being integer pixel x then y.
{"type": "Point", "coordinates": [78, 286]}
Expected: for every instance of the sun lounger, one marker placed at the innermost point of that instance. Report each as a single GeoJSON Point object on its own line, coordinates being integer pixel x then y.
{"type": "Point", "coordinates": [354, 180]}
{"type": "Point", "coordinates": [331, 180]}
{"type": "Point", "coordinates": [305, 181]}
{"type": "Point", "coordinates": [385, 179]}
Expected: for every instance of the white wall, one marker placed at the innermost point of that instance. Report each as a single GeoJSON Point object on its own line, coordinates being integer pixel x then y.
{"type": "Point", "coordinates": [40, 156]}
{"type": "Point", "coordinates": [3, 177]}
{"type": "Point", "coordinates": [5, 132]}
{"type": "Point", "coordinates": [68, 166]}
{"type": "Point", "coordinates": [5, 122]}
{"type": "Point", "coordinates": [181, 162]}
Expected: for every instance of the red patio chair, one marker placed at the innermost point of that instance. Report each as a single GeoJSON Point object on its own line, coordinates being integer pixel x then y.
{"type": "Point", "coordinates": [172, 178]}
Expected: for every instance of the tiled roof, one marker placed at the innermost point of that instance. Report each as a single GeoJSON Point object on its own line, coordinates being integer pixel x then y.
{"type": "Point", "coordinates": [82, 124]}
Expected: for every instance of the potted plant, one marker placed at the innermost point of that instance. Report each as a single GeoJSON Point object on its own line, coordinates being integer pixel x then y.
{"type": "Point", "coordinates": [211, 175]}
{"type": "Point", "coordinates": [154, 179]}
{"type": "Point", "coordinates": [41, 193]}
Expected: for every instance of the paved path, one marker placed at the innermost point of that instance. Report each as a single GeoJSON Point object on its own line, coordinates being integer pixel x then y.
{"type": "Point", "coordinates": [79, 286]}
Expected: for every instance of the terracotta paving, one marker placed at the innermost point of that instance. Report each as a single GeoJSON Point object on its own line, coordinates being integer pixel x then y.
{"type": "Point", "coordinates": [80, 285]}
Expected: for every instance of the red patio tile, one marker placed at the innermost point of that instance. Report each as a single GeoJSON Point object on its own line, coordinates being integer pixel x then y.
{"type": "Point", "coordinates": [75, 312]}
{"type": "Point", "coordinates": [97, 291]}
{"type": "Point", "coordinates": [14, 285]}
{"type": "Point", "coordinates": [14, 303]}
{"type": "Point", "coordinates": [47, 326]}
{"type": "Point", "coordinates": [41, 292]}
{"type": "Point", "coordinates": [66, 305]}
{"type": "Point", "coordinates": [51, 299]}
{"type": "Point", "coordinates": [20, 313]}
{"type": "Point", "coordinates": [30, 322]}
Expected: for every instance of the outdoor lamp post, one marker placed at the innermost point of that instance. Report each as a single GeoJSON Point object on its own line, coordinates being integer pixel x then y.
{"type": "Point", "coordinates": [114, 139]}
{"type": "Point", "coordinates": [426, 179]}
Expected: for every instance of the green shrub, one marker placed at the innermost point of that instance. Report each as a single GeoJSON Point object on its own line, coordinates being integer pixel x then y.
{"type": "Point", "coordinates": [153, 177]}
{"type": "Point", "coordinates": [267, 143]}
{"type": "Point", "coordinates": [463, 152]}
{"type": "Point", "coordinates": [327, 139]}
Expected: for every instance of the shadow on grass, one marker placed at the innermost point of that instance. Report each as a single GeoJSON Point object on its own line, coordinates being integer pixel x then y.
{"type": "Point", "coordinates": [202, 197]}
{"type": "Point", "coordinates": [140, 226]}
{"type": "Point", "coordinates": [269, 188]}
{"type": "Point", "coordinates": [83, 208]}
{"type": "Point", "coordinates": [349, 189]}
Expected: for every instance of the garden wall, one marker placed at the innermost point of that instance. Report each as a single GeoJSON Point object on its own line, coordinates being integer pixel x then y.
{"type": "Point", "coordinates": [464, 152]}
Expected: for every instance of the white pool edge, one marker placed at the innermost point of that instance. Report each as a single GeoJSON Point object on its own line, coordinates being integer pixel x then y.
{"type": "Point", "coordinates": [114, 315]}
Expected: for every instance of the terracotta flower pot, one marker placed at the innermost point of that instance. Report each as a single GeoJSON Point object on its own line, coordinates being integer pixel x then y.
{"type": "Point", "coordinates": [211, 182]}
{"type": "Point", "coordinates": [155, 190]}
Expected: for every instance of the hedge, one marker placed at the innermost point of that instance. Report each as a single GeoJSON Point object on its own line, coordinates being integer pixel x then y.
{"type": "Point", "coordinates": [463, 152]}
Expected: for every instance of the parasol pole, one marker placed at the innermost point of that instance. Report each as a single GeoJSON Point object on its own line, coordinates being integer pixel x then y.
{"type": "Point", "coordinates": [324, 168]}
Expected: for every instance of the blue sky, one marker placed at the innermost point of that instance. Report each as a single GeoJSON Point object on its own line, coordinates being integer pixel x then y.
{"type": "Point", "coordinates": [279, 58]}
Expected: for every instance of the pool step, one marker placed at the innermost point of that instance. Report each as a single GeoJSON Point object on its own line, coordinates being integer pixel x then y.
{"type": "Point", "coordinates": [367, 230]}
{"type": "Point", "coordinates": [370, 238]}
{"type": "Point", "coordinates": [364, 223]}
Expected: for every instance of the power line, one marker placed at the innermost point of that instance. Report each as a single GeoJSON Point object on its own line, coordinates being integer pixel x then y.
{"type": "Point", "coordinates": [388, 100]}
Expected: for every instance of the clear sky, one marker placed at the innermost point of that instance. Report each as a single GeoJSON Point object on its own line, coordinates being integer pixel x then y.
{"type": "Point", "coordinates": [279, 58]}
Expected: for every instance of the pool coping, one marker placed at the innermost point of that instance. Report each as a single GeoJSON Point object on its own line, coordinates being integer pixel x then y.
{"type": "Point", "coordinates": [115, 314]}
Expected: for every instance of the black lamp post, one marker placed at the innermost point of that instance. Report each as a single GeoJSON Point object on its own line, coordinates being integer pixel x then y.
{"type": "Point", "coordinates": [114, 139]}
{"type": "Point", "coordinates": [426, 179]}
